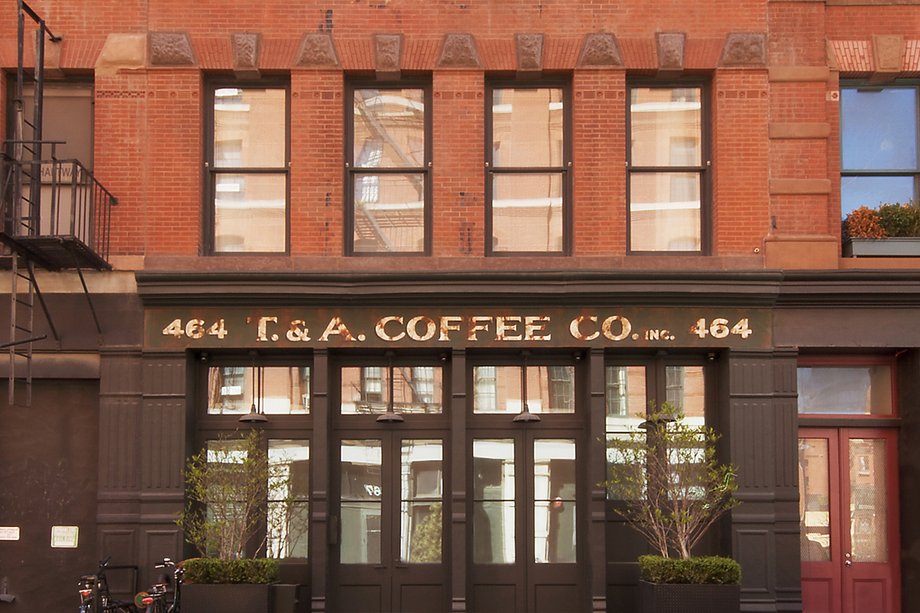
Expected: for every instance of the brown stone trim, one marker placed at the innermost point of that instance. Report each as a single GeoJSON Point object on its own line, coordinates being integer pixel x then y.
{"type": "Point", "coordinates": [170, 49]}
{"type": "Point", "coordinates": [780, 74]}
{"type": "Point", "coordinates": [870, 2]}
{"type": "Point", "coordinates": [799, 186]}
{"type": "Point", "coordinates": [744, 49]}
{"type": "Point", "coordinates": [670, 47]}
{"type": "Point", "coordinates": [600, 50]}
{"type": "Point", "coordinates": [459, 51]}
{"type": "Point", "coordinates": [387, 55]}
{"type": "Point", "coordinates": [886, 54]}
{"type": "Point", "coordinates": [799, 129]}
{"type": "Point", "coordinates": [529, 49]}
{"type": "Point", "coordinates": [246, 47]}
{"type": "Point", "coordinates": [317, 51]}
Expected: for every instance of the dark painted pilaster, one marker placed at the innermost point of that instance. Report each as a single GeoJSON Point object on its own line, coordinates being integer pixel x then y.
{"type": "Point", "coordinates": [909, 477]}
{"type": "Point", "coordinates": [319, 506]}
{"type": "Point", "coordinates": [458, 447]}
{"type": "Point", "coordinates": [597, 474]}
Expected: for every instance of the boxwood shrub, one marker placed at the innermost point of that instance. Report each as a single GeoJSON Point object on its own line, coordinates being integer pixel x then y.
{"type": "Point", "coordinates": [701, 569]}
{"type": "Point", "coordinates": [214, 570]}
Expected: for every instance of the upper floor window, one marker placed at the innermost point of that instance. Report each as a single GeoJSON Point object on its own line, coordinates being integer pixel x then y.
{"type": "Point", "coordinates": [667, 163]}
{"type": "Point", "coordinates": [247, 169]}
{"type": "Point", "coordinates": [528, 183]}
{"type": "Point", "coordinates": [878, 146]}
{"type": "Point", "coordinates": [388, 162]}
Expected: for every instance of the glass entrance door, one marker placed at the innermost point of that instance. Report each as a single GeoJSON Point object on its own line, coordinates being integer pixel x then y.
{"type": "Point", "coordinates": [849, 520]}
{"type": "Point", "coordinates": [390, 548]}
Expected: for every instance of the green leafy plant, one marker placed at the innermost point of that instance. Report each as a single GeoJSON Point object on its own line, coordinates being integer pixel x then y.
{"type": "Point", "coordinates": [696, 570]}
{"type": "Point", "coordinates": [669, 481]}
{"type": "Point", "coordinates": [213, 570]}
{"type": "Point", "coordinates": [888, 220]}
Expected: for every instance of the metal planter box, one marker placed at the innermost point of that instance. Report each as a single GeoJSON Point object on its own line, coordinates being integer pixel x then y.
{"type": "Point", "coordinates": [688, 598]}
{"type": "Point", "coordinates": [882, 247]}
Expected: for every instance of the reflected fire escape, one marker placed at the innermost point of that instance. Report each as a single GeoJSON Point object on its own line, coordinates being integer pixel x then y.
{"type": "Point", "coordinates": [55, 214]}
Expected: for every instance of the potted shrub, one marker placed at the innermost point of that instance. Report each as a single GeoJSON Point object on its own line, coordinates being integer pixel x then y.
{"type": "Point", "coordinates": [227, 486]}
{"type": "Point", "coordinates": [671, 488]}
{"type": "Point", "coordinates": [891, 230]}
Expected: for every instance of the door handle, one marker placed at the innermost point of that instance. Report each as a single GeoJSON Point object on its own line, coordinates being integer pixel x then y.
{"type": "Point", "coordinates": [848, 559]}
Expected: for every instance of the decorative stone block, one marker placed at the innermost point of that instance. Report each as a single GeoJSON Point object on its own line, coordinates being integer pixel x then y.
{"type": "Point", "coordinates": [600, 50]}
{"type": "Point", "coordinates": [170, 49]}
{"type": "Point", "coordinates": [529, 52]}
{"type": "Point", "coordinates": [886, 55]}
{"type": "Point", "coordinates": [387, 55]}
{"type": "Point", "coordinates": [246, 47]}
{"type": "Point", "coordinates": [317, 51]}
{"type": "Point", "coordinates": [670, 51]}
{"type": "Point", "coordinates": [745, 49]}
{"type": "Point", "coordinates": [459, 51]}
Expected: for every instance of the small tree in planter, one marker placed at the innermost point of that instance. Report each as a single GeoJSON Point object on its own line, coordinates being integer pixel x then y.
{"type": "Point", "coordinates": [673, 488]}
{"type": "Point", "coordinates": [227, 487]}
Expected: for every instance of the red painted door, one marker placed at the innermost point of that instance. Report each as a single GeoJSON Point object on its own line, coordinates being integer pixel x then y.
{"type": "Point", "coordinates": [849, 520]}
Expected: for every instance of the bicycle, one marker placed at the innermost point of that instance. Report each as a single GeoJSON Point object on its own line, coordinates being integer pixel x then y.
{"type": "Point", "coordinates": [156, 600]}
{"type": "Point", "coordinates": [94, 592]}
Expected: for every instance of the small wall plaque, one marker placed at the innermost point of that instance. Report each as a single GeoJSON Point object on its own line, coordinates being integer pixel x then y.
{"type": "Point", "coordinates": [65, 537]}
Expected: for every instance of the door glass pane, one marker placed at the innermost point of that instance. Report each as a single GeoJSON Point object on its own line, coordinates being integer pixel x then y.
{"type": "Point", "coordinates": [527, 128]}
{"type": "Point", "coordinates": [493, 501]}
{"type": "Point", "coordinates": [685, 389]}
{"type": "Point", "coordinates": [288, 498]}
{"type": "Point", "coordinates": [421, 475]}
{"type": "Point", "coordinates": [868, 501]}
{"type": "Point", "coordinates": [361, 499]}
{"type": "Point", "coordinates": [625, 397]}
{"type": "Point", "coordinates": [814, 502]}
{"type": "Point", "coordinates": [527, 212]}
{"type": "Point", "coordinates": [859, 390]}
{"type": "Point", "coordinates": [554, 500]}
{"type": "Point", "coordinates": [389, 128]}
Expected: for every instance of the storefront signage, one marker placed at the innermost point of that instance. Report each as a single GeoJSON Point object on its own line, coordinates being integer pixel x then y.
{"type": "Point", "coordinates": [211, 327]}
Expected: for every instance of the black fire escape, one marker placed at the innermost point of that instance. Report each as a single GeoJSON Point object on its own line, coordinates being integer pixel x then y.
{"type": "Point", "coordinates": [55, 215]}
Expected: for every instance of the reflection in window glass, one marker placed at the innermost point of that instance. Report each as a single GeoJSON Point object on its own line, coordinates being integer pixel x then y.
{"type": "Point", "coordinates": [685, 389]}
{"type": "Point", "coordinates": [855, 390]}
{"type": "Point", "coordinates": [554, 500]}
{"type": "Point", "coordinates": [421, 474]}
{"type": "Point", "coordinates": [527, 212]}
{"type": "Point", "coordinates": [415, 389]}
{"type": "Point", "coordinates": [814, 500]}
{"type": "Point", "coordinates": [868, 500]}
{"type": "Point", "coordinates": [626, 397]}
{"type": "Point", "coordinates": [493, 501]}
{"type": "Point", "coordinates": [288, 499]}
{"type": "Point", "coordinates": [498, 389]}
{"type": "Point", "coordinates": [361, 501]}
{"type": "Point", "coordinates": [285, 389]}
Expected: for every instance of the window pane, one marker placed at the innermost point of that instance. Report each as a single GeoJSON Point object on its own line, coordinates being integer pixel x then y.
{"type": "Point", "coordinates": [285, 389]}
{"type": "Point", "coordinates": [366, 389]}
{"type": "Point", "coordinates": [389, 128]}
{"type": "Point", "coordinates": [554, 500]}
{"type": "Point", "coordinates": [685, 389]}
{"type": "Point", "coordinates": [249, 212]}
{"type": "Point", "coordinates": [497, 389]}
{"type": "Point", "coordinates": [417, 389]}
{"type": "Point", "coordinates": [872, 191]}
{"type": "Point", "coordinates": [361, 497]}
{"type": "Point", "coordinates": [878, 128]}
{"type": "Point", "coordinates": [493, 501]}
{"type": "Point", "coordinates": [626, 397]}
{"type": "Point", "coordinates": [249, 127]}
{"type": "Point", "coordinates": [527, 212]}
{"type": "Point", "coordinates": [664, 211]}
{"type": "Point", "coordinates": [868, 501]}
{"type": "Point", "coordinates": [665, 127]}
{"type": "Point", "coordinates": [551, 389]}
{"type": "Point", "coordinates": [527, 127]}
{"type": "Point", "coordinates": [389, 212]}
{"type": "Point", "coordinates": [814, 504]}
{"type": "Point", "coordinates": [421, 501]}
{"type": "Point", "coordinates": [288, 496]}
{"type": "Point", "coordinates": [860, 390]}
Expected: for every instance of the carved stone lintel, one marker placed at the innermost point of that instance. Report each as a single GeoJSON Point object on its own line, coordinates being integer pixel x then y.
{"type": "Point", "coordinates": [317, 51]}
{"type": "Point", "coordinates": [459, 51]}
{"type": "Point", "coordinates": [670, 51]}
{"type": "Point", "coordinates": [246, 47]}
{"type": "Point", "coordinates": [53, 59]}
{"type": "Point", "coordinates": [387, 55]}
{"type": "Point", "coordinates": [886, 54]}
{"type": "Point", "coordinates": [745, 49]}
{"type": "Point", "coordinates": [171, 49]}
{"type": "Point", "coordinates": [529, 52]}
{"type": "Point", "coordinates": [600, 49]}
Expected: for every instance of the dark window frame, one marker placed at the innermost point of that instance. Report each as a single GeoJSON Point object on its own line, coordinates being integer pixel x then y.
{"type": "Point", "coordinates": [703, 169]}
{"type": "Point", "coordinates": [856, 84]}
{"type": "Point", "coordinates": [351, 171]}
{"type": "Point", "coordinates": [566, 169]}
{"type": "Point", "coordinates": [210, 171]}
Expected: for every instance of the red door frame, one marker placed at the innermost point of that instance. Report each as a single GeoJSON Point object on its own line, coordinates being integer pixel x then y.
{"type": "Point", "coordinates": [831, 586]}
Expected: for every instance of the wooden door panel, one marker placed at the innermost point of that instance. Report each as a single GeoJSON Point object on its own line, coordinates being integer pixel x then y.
{"type": "Point", "coordinates": [820, 595]}
{"type": "Point", "coordinates": [494, 598]}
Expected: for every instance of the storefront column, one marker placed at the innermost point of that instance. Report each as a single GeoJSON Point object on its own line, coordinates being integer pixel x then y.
{"type": "Point", "coordinates": [457, 512]}
{"type": "Point", "coordinates": [597, 474]}
{"type": "Point", "coordinates": [909, 461]}
{"type": "Point", "coordinates": [320, 530]}
{"type": "Point", "coordinates": [762, 433]}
